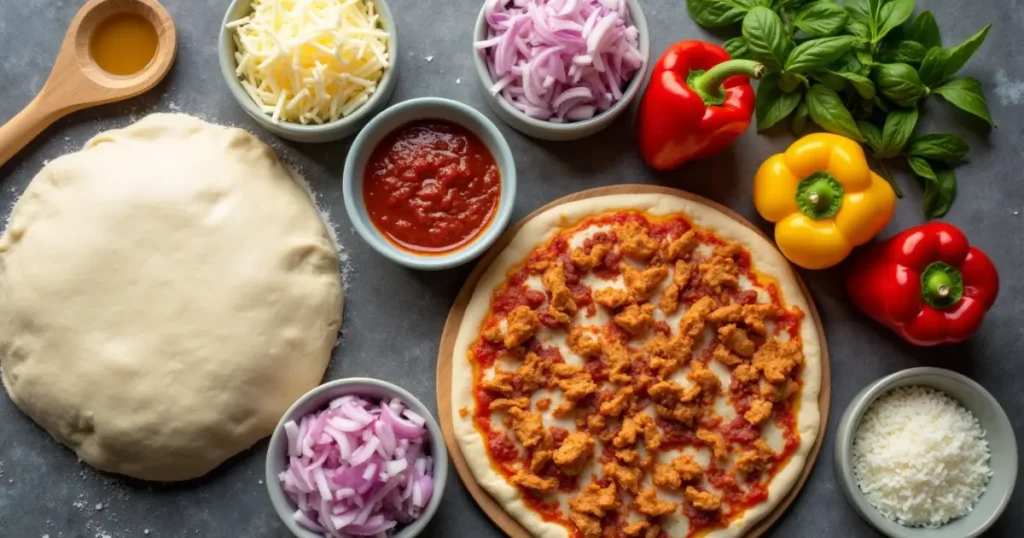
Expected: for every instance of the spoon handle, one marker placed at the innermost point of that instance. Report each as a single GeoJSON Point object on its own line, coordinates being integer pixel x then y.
{"type": "Point", "coordinates": [26, 125]}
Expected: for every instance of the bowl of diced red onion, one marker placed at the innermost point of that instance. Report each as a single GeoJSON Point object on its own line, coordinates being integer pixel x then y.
{"type": "Point", "coordinates": [356, 457]}
{"type": "Point", "coordinates": [561, 69]}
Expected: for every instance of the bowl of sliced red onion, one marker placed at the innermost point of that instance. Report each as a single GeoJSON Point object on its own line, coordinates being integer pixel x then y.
{"type": "Point", "coordinates": [561, 69]}
{"type": "Point", "coordinates": [356, 457]}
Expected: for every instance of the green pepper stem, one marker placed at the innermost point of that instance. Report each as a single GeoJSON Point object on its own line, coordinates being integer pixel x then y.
{"type": "Point", "coordinates": [708, 84]}
{"type": "Point", "coordinates": [941, 285]}
{"type": "Point", "coordinates": [819, 195]}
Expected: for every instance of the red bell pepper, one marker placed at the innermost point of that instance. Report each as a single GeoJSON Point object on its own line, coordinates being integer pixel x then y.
{"type": "Point", "coordinates": [697, 102]}
{"type": "Point", "coordinates": [926, 283]}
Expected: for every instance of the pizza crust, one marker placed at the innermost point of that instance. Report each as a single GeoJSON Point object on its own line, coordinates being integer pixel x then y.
{"type": "Point", "coordinates": [765, 258]}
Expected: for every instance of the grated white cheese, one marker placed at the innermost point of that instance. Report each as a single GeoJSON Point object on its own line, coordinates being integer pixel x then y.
{"type": "Point", "coordinates": [920, 458]}
{"type": "Point", "coordinates": [310, 61]}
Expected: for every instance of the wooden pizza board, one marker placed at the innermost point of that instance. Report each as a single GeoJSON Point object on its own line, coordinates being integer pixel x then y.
{"type": "Point", "coordinates": [451, 328]}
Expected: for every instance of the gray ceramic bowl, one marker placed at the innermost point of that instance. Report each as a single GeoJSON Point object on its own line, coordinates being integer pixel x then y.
{"type": "Point", "coordinates": [388, 121]}
{"type": "Point", "coordinates": [318, 399]}
{"type": "Point", "coordinates": [545, 130]}
{"type": "Point", "coordinates": [986, 409]}
{"type": "Point", "coordinates": [326, 132]}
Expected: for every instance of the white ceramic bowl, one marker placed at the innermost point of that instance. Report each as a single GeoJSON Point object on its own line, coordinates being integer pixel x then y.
{"type": "Point", "coordinates": [998, 433]}
{"type": "Point", "coordinates": [326, 132]}
{"type": "Point", "coordinates": [318, 399]}
{"type": "Point", "coordinates": [546, 130]}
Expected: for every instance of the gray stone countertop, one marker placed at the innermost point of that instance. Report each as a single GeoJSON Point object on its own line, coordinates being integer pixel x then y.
{"type": "Point", "coordinates": [394, 316]}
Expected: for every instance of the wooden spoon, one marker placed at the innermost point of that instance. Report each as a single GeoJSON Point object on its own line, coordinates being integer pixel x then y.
{"type": "Point", "coordinates": [76, 82]}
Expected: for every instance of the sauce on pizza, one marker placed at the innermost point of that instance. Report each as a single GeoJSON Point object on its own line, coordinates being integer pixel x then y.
{"type": "Point", "coordinates": [637, 377]}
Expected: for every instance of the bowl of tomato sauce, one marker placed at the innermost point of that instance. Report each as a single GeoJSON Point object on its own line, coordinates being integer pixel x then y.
{"type": "Point", "coordinates": [429, 183]}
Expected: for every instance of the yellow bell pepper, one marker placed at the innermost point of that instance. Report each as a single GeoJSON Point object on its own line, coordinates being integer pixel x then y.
{"type": "Point", "coordinates": [823, 199]}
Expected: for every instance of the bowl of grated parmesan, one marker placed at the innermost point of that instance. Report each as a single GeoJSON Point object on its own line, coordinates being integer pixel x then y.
{"type": "Point", "coordinates": [926, 453]}
{"type": "Point", "coordinates": [310, 71]}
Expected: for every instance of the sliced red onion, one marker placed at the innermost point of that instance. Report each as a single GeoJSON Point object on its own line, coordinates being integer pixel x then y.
{"type": "Point", "coordinates": [530, 43]}
{"type": "Point", "coordinates": [414, 417]}
{"type": "Point", "coordinates": [342, 440]}
{"type": "Point", "coordinates": [357, 468]}
{"type": "Point", "coordinates": [370, 529]}
{"type": "Point", "coordinates": [345, 425]}
{"type": "Point", "coordinates": [402, 428]}
{"type": "Point", "coordinates": [292, 431]}
{"type": "Point", "coordinates": [301, 518]}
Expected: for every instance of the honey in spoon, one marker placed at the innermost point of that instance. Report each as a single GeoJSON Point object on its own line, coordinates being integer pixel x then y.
{"type": "Point", "coordinates": [123, 44]}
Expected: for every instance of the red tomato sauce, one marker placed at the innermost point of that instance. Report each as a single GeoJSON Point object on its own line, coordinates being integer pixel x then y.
{"type": "Point", "coordinates": [431, 186]}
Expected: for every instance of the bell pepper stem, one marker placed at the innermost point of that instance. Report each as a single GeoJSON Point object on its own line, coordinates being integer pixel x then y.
{"type": "Point", "coordinates": [708, 84]}
{"type": "Point", "coordinates": [941, 285]}
{"type": "Point", "coordinates": [819, 195]}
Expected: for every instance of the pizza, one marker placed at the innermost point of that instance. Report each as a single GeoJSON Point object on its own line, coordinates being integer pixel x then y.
{"type": "Point", "coordinates": [637, 365]}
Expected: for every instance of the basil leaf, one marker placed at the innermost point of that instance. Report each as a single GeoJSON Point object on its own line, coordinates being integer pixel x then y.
{"type": "Point", "coordinates": [715, 13]}
{"type": "Point", "coordinates": [737, 48]}
{"type": "Point", "coordinates": [863, 85]}
{"type": "Point", "coordinates": [899, 125]}
{"type": "Point", "coordinates": [821, 18]}
{"type": "Point", "coordinates": [799, 119]}
{"type": "Point", "coordinates": [921, 168]}
{"type": "Point", "coordinates": [827, 110]}
{"type": "Point", "coordinates": [790, 4]}
{"type": "Point", "coordinates": [908, 52]}
{"type": "Point", "coordinates": [766, 37]}
{"type": "Point", "coordinates": [847, 63]}
{"type": "Point", "coordinates": [939, 194]}
{"type": "Point", "coordinates": [944, 147]}
{"type": "Point", "coordinates": [832, 80]}
{"type": "Point", "coordinates": [864, 57]}
{"type": "Point", "coordinates": [965, 94]}
{"type": "Point", "coordinates": [941, 63]}
{"type": "Point", "coordinates": [899, 83]}
{"type": "Point", "coordinates": [859, 29]}
{"type": "Point", "coordinates": [939, 187]}
{"type": "Point", "coordinates": [891, 15]}
{"type": "Point", "coordinates": [880, 103]}
{"type": "Point", "coordinates": [772, 104]}
{"type": "Point", "coordinates": [789, 82]}
{"type": "Point", "coordinates": [872, 134]}
{"type": "Point", "coordinates": [858, 10]}
{"type": "Point", "coordinates": [874, 9]}
{"type": "Point", "coordinates": [925, 30]}
{"type": "Point", "coordinates": [815, 54]}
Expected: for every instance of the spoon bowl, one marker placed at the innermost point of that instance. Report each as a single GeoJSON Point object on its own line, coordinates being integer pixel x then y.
{"type": "Point", "coordinates": [78, 82]}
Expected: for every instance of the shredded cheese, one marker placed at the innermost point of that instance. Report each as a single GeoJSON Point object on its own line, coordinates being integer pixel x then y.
{"type": "Point", "coordinates": [920, 458]}
{"type": "Point", "coordinates": [310, 61]}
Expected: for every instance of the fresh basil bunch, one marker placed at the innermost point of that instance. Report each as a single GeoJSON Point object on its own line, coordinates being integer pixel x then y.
{"type": "Point", "coordinates": [859, 69]}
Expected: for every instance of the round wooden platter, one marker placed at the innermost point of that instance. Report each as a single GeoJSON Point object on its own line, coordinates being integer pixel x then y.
{"type": "Point", "coordinates": [451, 328]}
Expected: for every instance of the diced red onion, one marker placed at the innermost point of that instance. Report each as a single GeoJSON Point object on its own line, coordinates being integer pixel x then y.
{"type": "Point", "coordinates": [357, 468]}
{"type": "Point", "coordinates": [530, 43]}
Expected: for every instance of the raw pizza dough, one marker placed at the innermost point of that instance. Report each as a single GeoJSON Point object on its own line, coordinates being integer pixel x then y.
{"type": "Point", "coordinates": [765, 258]}
{"type": "Point", "coordinates": [165, 295]}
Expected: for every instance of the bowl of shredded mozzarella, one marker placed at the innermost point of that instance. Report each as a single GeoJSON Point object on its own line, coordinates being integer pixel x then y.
{"type": "Point", "coordinates": [926, 453]}
{"type": "Point", "coordinates": [561, 69]}
{"type": "Point", "coordinates": [356, 457]}
{"type": "Point", "coordinates": [309, 70]}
